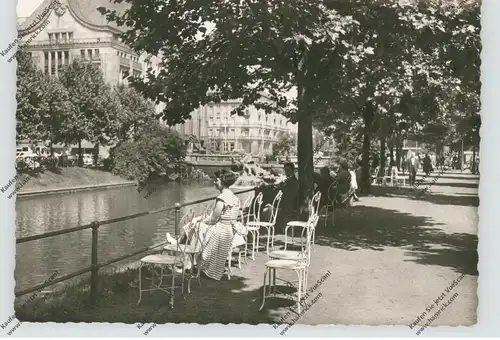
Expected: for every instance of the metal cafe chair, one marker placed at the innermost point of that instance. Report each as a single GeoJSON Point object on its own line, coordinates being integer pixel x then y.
{"type": "Point", "coordinates": [313, 210]}
{"type": "Point", "coordinates": [165, 262]}
{"type": "Point", "coordinates": [253, 216]}
{"type": "Point", "coordinates": [269, 225]}
{"type": "Point", "coordinates": [298, 262]}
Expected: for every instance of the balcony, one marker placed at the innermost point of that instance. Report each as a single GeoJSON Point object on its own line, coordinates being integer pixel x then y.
{"type": "Point", "coordinates": [125, 62]}
{"type": "Point", "coordinates": [137, 65]}
{"type": "Point", "coordinates": [60, 43]}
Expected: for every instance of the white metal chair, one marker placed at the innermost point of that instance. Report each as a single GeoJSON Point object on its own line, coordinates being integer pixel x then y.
{"type": "Point", "coordinates": [269, 225]}
{"type": "Point", "coordinates": [238, 248]}
{"type": "Point", "coordinates": [254, 216]}
{"type": "Point", "coordinates": [292, 261]}
{"type": "Point", "coordinates": [165, 262]}
{"type": "Point", "coordinates": [313, 211]}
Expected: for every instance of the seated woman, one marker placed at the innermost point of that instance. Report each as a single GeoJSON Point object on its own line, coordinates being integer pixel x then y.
{"type": "Point", "coordinates": [214, 234]}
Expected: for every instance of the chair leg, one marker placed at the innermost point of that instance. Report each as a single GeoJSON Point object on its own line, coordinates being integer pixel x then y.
{"type": "Point", "coordinates": [299, 291]}
{"type": "Point", "coordinates": [268, 239]}
{"type": "Point", "coordinates": [274, 280]}
{"type": "Point", "coordinates": [264, 289]}
{"type": "Point", "coordinates": [239, 260]}
{"type": "Point", "coordinates": [140, 284]}
{"type": "Point", "coordinates": [272, 237]}
{"type": "Point", "coordinates": [172, 289]}
{"type": "Point", "coordinates": [286, 235]}
{"type": "Point", "coordinates": [229, 258]}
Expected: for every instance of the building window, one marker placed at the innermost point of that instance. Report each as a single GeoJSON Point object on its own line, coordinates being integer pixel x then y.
{"type": "Point", "coordinates": [89, 53]}
{"type": "Point", "coordinates": [52, 62]}
{"type": "Point", "coordinates": [66, 57]}
{"type": "Point", "coordinates": [46, 62]}
{"type": "Point", "coordinates": [274, 121]}
{"type": "Point", "coordinates": [63, 36]}
{"type": "Point", "coordinates": [82, 53]}
{"type": "Point", "coordinates": [70, 35]}
{"type": "Point", "coordinates": [232, 130]}
{"type": "Point", "coordinates": [259, 117]}
{"type": "Point", "coordinates": [210, 132]}
{"type": "Point", "coordinates": [211, 117]}
{"type": "Point", "coordinates": [231, 146]}
{"type": "Point", "coordinates": [50, 36]}
{"type": "Point", "coordinates": [118, 53]}
{"type": "Point", "coordinates": [59, 60]}
{"type": "Point", "coordinates": [96, 51]}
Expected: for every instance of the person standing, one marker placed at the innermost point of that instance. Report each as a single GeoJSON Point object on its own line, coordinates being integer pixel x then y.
{"type": "Point", "coordinates": [413, 165]}
{"type": "Point", "coordinates": [427, 164]}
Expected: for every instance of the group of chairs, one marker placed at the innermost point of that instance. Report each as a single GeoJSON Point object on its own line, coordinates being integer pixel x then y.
{"type": "Point", "coordinates": [172, 258]}
{"type": "Point", "coordinates": [391, 177]}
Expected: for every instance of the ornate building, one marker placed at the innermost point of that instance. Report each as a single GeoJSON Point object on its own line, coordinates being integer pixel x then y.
{"type": "Point", "coordinates": [220, 132]}
{"type": "Point", "coordinates": [60, 31]}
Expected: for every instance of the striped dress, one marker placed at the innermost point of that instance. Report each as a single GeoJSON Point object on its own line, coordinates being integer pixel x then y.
{"type": "Point", "coordinates": [215, 240]}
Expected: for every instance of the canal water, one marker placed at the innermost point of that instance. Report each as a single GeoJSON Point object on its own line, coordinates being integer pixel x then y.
{"type": "Point", "coordinates": [37, 260]}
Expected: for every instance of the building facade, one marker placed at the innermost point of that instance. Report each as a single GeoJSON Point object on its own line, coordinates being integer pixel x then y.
{"type": "Point", "coordinates": [219, 131]}
{"type": "Point", "coordinates": [59, 32]}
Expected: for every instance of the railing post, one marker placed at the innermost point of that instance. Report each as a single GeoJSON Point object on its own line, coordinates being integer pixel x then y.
{"type": "Point", "coordinates": [177, 219]}
{"type": "Point", "coordinates": [94, 272]}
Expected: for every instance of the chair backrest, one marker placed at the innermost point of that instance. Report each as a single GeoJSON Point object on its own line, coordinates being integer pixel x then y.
{"type": "Point", "coordinates": [247, 204]}
{"type": "Point", "coordinates": [186, 218]}
{"type": "Point", "coordinates": [314, 204]}
{"type": "Point", "coordinates": [309, 230]}
{"type": "Point", "coordinates": [180, 254]}
{"type": "Point", "coordinates": [254, 211]}
{"type": "Point", "coordinates": [275, 205]}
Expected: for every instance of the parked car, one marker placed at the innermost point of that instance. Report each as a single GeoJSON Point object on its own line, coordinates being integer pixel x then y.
{"type": "Point", "coordinates": [88, 160]}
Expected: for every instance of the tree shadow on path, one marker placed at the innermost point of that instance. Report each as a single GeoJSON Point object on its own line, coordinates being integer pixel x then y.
{"type": "Point", "coordinates": [363, 227]}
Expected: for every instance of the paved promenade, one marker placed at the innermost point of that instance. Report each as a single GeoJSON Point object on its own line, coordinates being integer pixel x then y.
{"type": "Point", "coordinates": [390, 257]}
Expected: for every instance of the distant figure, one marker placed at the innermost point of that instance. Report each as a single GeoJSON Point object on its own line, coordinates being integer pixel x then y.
{"type": "Point", "coordinates": [394, 172]}
{"type": "Point", "coordinates": [344, 189]}
{"type": "Point", "coordinates": [427, 164]}
{"type": "Point", "coordinates": [323, 180]}
{"type": "Point", "coordinates": [413, 165]}
{"type": "Point", "coordinates": [354, 185]}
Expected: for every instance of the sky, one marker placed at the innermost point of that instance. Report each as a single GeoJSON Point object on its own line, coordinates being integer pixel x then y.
{"type": "Point", "coordinates": [26, 7]}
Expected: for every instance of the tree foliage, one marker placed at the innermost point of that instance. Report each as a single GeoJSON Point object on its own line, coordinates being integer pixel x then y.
{"type": "Point", "coordinates": [215, 51]}
{"type": "Point", "coordinates": [95, 107]}
{"type": "Point", "coordinates": [284, 146]}
{"type": "Point", "coordinates": [134, 113]}
{"type": "Point", "coordinates": [155, 150]}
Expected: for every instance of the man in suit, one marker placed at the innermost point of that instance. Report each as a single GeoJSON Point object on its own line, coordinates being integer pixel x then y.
{"type": "Point", "coordinates": [413, 165]}
{"type": "Point", "coordinates": [289, 207]}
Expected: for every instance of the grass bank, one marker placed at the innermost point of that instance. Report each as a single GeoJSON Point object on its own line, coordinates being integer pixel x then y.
{"type": "Point", "coordinates": [64, 178]}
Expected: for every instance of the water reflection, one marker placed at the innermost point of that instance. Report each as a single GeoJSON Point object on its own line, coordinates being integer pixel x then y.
{"type": "Point", "coordinates": [37, 260]}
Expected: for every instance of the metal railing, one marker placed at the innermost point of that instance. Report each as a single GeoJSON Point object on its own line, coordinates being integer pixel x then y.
{"type": "Point", "coordinates": [94, 226]}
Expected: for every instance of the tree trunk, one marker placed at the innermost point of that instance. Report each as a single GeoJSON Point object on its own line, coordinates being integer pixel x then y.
{"type": "Point", "coordinates": [474, 166]}
{"type": "Point", "coordinates": [382, 155]}
{"type": "Point", "coordinates": [391, 152]}
{"type": "Point", "coordinates": [96, 154]}
{"type": "Point", "coordinates": [80, 153]}
{"type": "Point", "coordinates": [304, 153]}
{"type": "Point", "coordinates": [365, 175]}
{"type": "Point", "coordinates": [397, 143]}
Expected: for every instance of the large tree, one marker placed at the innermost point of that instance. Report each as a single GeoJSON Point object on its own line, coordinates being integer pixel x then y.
{"type": "Point", "coordinates": [43, 104]}
{"type": "Point", "coordinates": [134, 113]}
{"type": "Point", "coordinates": [218, 50]}
{"type": "Point", "coordinates": [95, 108]}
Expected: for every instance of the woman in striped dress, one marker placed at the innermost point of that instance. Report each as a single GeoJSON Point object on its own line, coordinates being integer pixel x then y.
{"type": "Point", "coordinates": [214, 234]}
